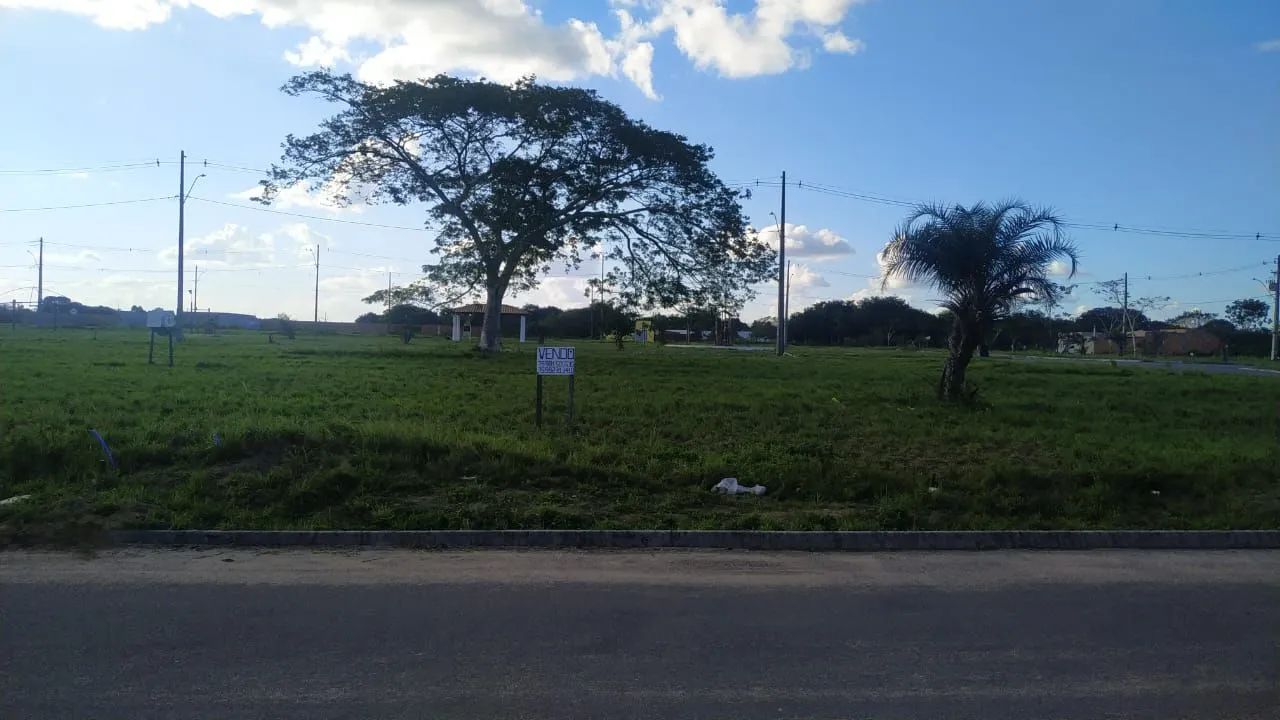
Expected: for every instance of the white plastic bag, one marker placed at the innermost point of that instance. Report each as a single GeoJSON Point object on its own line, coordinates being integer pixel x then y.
{"type": "Point", "coordinates": [730, 486]}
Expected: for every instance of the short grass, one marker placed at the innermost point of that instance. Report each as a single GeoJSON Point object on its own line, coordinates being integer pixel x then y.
{"type": "Point", "coordinates": [365, 432]}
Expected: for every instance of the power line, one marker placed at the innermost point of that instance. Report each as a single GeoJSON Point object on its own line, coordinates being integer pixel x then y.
{"type": "Point", "coordinates": [100, 248]}
{"type": "Point", "coordinates": [309, 217]}
{"type": "Point", "coordinates": [112, 167]}
{"type": "Point", "coordinates": [233, 168]}
{"type": "Point", "coordinates": [1113, 227]}
{"type": "Point", "coordinates": [88, 205]}
{"type": "Point", "coordinates": [371, 255]}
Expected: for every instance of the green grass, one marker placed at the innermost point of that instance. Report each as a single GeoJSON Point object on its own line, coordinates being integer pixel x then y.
{"type": "Point", "coordinates": [365, 432]}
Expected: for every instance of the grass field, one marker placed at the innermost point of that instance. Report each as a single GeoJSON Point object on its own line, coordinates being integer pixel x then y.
{"type": "Point", "coordinates": [362, 432]}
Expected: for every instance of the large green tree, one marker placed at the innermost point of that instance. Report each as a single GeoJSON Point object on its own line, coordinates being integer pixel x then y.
{"type": "Point", "coordinates": [1248, 313]}
{"type": "Point", "coordinates": [983, 259]}
{"type": "Point", "coordinates": [519, 178]}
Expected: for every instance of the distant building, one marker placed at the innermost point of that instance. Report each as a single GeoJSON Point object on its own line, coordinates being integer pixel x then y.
{"type": "Point", "coordinates": [1087, 343]}
{"type": "Point", "coordinates": [1175, 341]}
{"type": "Point", "coordinates": [1167, 341]}
{"type": "Point", "coordinates": [222, 320]}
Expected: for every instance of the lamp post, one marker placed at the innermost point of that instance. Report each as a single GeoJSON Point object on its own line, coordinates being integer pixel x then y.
{"type": "Point", "coordinates": [182, 205]}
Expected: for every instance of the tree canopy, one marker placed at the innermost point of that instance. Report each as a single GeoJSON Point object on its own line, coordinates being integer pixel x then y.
{"type": "Point", "coordinates": [519, 178]}
{"type": "Point", "coordinates": [984, 259]}
{"type": "Point", "coordinates": [1248, 313]}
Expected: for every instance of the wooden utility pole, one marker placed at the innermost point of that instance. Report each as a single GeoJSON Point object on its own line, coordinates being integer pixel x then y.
{"type": "Point", "coordinates": [315, 316]}
{"type": "Point", "coordinates": [782, 270]}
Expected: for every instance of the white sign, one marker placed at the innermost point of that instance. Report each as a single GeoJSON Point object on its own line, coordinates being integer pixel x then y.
{"type": "Point", "coordinates": [160, 319]}
{"type": "Point", "coordinates": [555, 361]}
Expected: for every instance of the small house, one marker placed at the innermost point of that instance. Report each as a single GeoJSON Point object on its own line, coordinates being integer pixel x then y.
{"type": "Point", "coordinates": [1175, 341]}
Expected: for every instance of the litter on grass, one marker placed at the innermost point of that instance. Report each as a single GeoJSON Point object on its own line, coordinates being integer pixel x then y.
{"type": "Point", "coordinates": [730, 486]}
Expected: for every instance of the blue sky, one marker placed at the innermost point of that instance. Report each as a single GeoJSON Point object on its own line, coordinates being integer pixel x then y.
{"type": "Point", "coordinates": [1146, 114]}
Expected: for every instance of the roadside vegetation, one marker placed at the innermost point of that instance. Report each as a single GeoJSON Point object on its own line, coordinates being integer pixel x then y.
{"type": "Point", "coordinates": [367, 432]}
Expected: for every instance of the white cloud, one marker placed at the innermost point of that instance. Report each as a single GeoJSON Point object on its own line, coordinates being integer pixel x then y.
{"type": "Point", "coordinates": [234, 246]}
{"type": "Point", "coordinates": [837, 42]}
{"type": "Point", "coordinates": [507, 39]}
{"type": "Point", "coordinates": [757, 43]}
{"type": "Point", "coordinates": [802, 277]}
{"type": "Point", "coordinates": [78, 259]}
{"type": "Point", "coordinates": [816, 245]}
{"type": "Point", "coordinates": [874, 291]}
{"type": "Point", "coordinates": [894, 282]}
{"type": "Point", "coordinates": [1059, 268]}
{"type": "Point", "coordinates": [1269, 46]}
{"type": "Point", "coordinates": [299, 196]}
{"type": "Point", "coordinates": [637, 65]}
{"type": "Point", "coordinates": [113, 14]}
{"type": "Point", "coordinates": [315, 52]}
{"type": "Point", "coordinates": [561, 291]}
{"type": "Point", "coordinates": [305, 240]}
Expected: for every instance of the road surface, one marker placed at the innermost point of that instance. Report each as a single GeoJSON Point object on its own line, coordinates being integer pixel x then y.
{"type": "Point", "coordinates": [398, 634]}
{"type": "Point", "coordinates": [1177, 366]}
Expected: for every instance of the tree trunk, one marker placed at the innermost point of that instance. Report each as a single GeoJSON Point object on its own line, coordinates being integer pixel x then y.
{"type": "Point", "coordinates": [960, 352]}
{"type": "Point", "coordinates": [491, 331]}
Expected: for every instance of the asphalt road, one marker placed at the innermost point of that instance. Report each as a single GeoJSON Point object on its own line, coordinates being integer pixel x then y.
{"type": "Point", "coordinates": [1177, 366]}
{"type": "Point", "coordinates": [396, 634]}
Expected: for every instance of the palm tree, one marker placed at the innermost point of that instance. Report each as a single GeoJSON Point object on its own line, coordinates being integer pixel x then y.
{"type": "Point", "coordinates": [983, 259]}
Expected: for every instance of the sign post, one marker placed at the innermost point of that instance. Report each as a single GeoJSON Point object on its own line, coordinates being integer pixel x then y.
{"type": "Point", "coordinates": [554, 361]}
{"type": "Point", "coordinates": [160, 322]}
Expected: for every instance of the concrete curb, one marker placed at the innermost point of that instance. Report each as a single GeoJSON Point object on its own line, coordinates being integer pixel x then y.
{"type": "Point", "coordinates": [718, 539]}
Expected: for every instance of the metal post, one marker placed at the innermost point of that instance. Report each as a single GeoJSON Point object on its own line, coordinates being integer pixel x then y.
{"type": "Point", "coordinates": [182, 201]}
{"type": "Point", "coordinates": [1124, 318]}
{"type": "Point", "coordinates": [40, 279]}
{"type": "Point", "coordinates": [315, 318]}
{"type": "Point", "coordinates": [1275, 311]}
{"type": "Point", "coordinates": [786, 306]}
{"type": "Point", "coordinates": [569, 416]}
{"type": "Point", "coordinates": [537, 404]}
{"type": "Point", "coordinates": [151, 348]}
{"type": "Point", "coordinates": [782, 270]}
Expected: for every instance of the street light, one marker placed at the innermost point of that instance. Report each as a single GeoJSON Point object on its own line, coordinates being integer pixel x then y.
{"type": "Point", "coordinates": [193, 186]}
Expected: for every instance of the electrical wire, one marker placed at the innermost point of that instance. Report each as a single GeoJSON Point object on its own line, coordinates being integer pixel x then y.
{"type": "Point", "coordinates": [1113, 227]}
{"type": "Point", "coordinates": [88, 205]}
{"type": "Point", "coordinates": [112, 167]}
{"type": "Point", "coordinates": [99, 248]}
{"type": "Point", "coordinates": [308, 217]}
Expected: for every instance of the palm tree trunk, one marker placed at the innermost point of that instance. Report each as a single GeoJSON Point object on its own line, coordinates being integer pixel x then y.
{"type": "Point", "coordinates": [960, 351]}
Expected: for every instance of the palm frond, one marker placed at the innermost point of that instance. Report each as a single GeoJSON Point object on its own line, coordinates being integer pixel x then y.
{"type": "Point", "coordinates": [982, 258]}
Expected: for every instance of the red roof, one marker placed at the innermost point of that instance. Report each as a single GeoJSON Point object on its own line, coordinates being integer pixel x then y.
{"type": "Point", "coordinates": [478, 309]}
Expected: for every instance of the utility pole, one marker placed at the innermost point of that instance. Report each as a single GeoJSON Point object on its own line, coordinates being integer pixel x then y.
{"type": "Point", "coordinates": [195, 292]}
{"type": "Point", "coordinates": [1124, 317]}
{"type": "Point", "coordinates": [788, 303]}
{"type": "Point", "coordinates": [40, 278]}
{"type": "Point", "coordinates": [782, 271]}
{"type": "Point", "coordinates": [182, 201]}
{"type": "Point", "coordinates": [315, 317]}
{"type": "Point", "coordinates": [1275, 310]}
